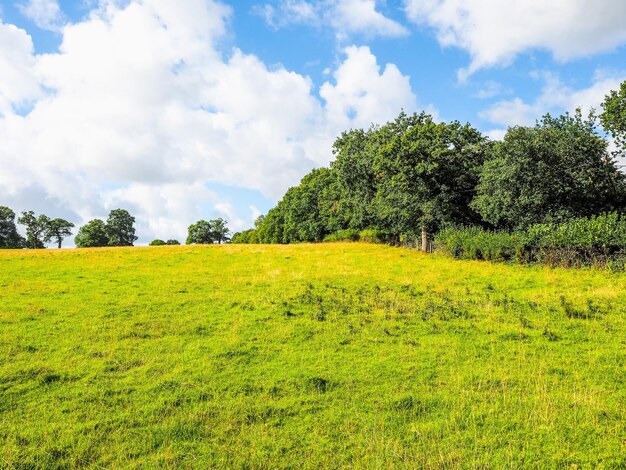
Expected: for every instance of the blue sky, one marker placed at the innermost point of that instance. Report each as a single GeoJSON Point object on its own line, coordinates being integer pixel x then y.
{"type": "Point", "coordinates": [198, 108]}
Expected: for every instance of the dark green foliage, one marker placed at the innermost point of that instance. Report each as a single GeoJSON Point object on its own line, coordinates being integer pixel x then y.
{"type": "Point", "coordinates": [200, 233]}
{"type": "Point", "coordinates": [594, 241]}
{"type": "Point", "coordinates": [157, 242]}
{"type": "Point", "coordinates": [549, 173]}
{"type": "Point", "coordinates": [120, 228]}
{"type": "Point", "coordinates": [353, 168]}
{"type": "Point", "coordinates": [245, 237]}
{"type": "Point", "coordinates": [426, 173]}
{"type": "Point", "coordinates": [58, 229]}
{"type": "Point", "coordinates": [172, 242]}
{"type": "Point", "coordinates": [36, 229]}
{"type": "Point", "coordinates": [9, 237]}
{"type": "Point", "coordinates": [613, 116]}
{"type": "Point", "coordinates": [206, 232]}
{"type": "Point", "coordinates": [220, 230]}
{"type": "Point", "coordinates": [93, 234]}
{"type": "Point", "coordinates": [307, 212]}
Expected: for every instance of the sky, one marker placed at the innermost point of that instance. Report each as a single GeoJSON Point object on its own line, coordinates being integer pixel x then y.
{"type": "Point", "coordinates": [196, 109]}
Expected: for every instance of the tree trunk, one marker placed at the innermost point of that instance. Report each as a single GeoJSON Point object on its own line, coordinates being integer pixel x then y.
{"type": "Point", "coordinates": [424, 239]}
{"type": "Point", "coordinates": [59, 240]}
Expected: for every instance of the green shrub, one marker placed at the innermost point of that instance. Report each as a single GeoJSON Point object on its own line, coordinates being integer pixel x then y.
{"type": "Point", "coordinates": [348, 235]}
{"type": "Point", "coordinates": [594, 241]}
{"type": "Point", "coordinates": [157, 242]}
{"type": "Point", "coordinates": [375, 235]}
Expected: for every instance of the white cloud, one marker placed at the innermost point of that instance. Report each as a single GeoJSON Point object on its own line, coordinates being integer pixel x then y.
{"type": "Point", "coordinates": [46, 14]}
{"type": "Point", "coordinates": [495, 31]}
{"type": "Point", "coordinates": [141, 110]}
{"type": "Point", "coordinates": [362, 95]}
{"type": "Point", "coordinates": [18, 84]}
{"type": "Point", "coordinates": [555, 97]}
{"type": "Point", "coordinates": [346, 17]}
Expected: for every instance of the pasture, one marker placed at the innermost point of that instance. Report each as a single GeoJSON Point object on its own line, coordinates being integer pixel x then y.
{"type": "Point", "coordinates": [342, 355]}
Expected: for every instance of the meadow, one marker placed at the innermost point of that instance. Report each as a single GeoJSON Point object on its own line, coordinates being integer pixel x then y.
{"type": "Point", "coordinates": [338, 355]}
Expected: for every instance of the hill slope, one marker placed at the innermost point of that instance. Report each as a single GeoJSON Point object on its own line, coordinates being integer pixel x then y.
{"type": "Point", "coordinates": [306, 356]}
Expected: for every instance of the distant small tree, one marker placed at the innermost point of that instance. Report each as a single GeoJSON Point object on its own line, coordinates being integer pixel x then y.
{"type": "Point", "coordinates": [171, 241]}
{"type": "Point", "coordinates": [9, 237]}
{"type": "Point", "coordinates": [36, 229]}
{"type": "Point", "coordinates": [120, 228]}
{"type": "Point", "coordinates": [220, 230]}
{"type": "Point", "coordinates": [93, 234]}
{"type": "Point", "coordinates": [200, 233]}
{"type": "Point", "coordinates": [157, 242]}
{"type": "Point", "coordinates": [58, 229]}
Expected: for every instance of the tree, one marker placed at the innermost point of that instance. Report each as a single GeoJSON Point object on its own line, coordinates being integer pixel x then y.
{"type": "Point", "coordinates": [9, 237]}
{"type": "Point", "coordinates": [157, 242]}
{"type": "Point", "coordinates": [353, 170]}
{"type": "Point", "coordinates": [613, 117]}
{"type": "Point", "coordinates": [244, 237]}
{"type": "Point", "coordinates": [93, 234]}
{"type": "Point", "coordinates": [426, 175]}
{"type": "Point", "coordinates": [58, 229]}
{"type": "Point", "coordinates": [219, 230]}
{"type": "Point", "coordinates": [200, 233]}
{"type": "Point", "coordinates": [549, 173]}
{"type": "Point", "coordinates": [120, 228]}
{"type": "Point", "coordinates": [208, 232]}
{"type": "Point", "coordinates": [172, 242]}
{"type": "Point", "coordinates": [36, 229]}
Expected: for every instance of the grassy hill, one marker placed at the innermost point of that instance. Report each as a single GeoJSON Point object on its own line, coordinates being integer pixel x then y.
{"type": "Point", "coordinates": [307, 356]}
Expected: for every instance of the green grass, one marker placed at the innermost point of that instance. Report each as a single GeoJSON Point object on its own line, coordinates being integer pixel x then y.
{"type": "Point", "coordinates": [307, 356]}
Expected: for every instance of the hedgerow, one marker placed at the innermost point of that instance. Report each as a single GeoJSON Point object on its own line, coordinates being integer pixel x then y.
{"type": "Point", "coordinates": [594, 241]}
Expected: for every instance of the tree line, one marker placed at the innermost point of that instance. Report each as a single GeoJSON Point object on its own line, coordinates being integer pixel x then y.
{"type": "Point", "coordinates": [409, 178]}
{"type": "Point", "coordinates": [117, 230]}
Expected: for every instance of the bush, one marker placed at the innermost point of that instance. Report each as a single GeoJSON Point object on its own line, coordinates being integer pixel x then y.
{"type": "Point", "coordinates": [172, 242]}
{"type": "Point", "coordinates": [594, 241]}
{"type": "Point", "coordinates": [375, 235]}
{"type": "Point", "coordinates": [157, 242]}
{"type": "Point", "coordinates": [348, 235]}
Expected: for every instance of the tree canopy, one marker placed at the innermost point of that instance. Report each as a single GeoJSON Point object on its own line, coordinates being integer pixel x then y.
{"type": "Point", "coordinates": [92, 234]}
{"type": "Point", "coordinates": [9, 236]}
{"type": "Point", "coordinates": [556, 170]}
{"type": "Point", "coordinates": [36, 229]}
{"type": "Point", "coordinates": [613, 116]}
{"type": "Point", "coordinates": [120, 228]}
{"type": "Point", "coordinates": [208, 232]}
{"type": "Point", "coordinates": [58, 229]}
{"type": "Point", "coordinates": [413, 176]}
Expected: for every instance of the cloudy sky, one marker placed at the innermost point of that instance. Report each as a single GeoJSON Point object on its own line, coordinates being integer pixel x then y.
{"type": "Point", "coordinates": [190, 109]}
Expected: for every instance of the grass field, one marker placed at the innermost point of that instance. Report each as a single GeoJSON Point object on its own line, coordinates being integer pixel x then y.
{"type": "Point", "coordinates": [307, 356]}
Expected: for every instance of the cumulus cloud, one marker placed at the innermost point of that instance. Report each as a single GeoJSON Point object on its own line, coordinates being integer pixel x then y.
{"type": "Point", "coordinates": [140, 109]}
{"type": "Point", "coordinates": [362, 94]}
{"type": "Point", "coordinates": [495, 31]}
{"type": "Point", "coordinates": [18, 84]}
{"type": "Point", "coordinates": [46, 14]}
{"type": "Point", "coordinates": [346, 17]}
{"type": "Point", "coordinates": [555, 97]}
